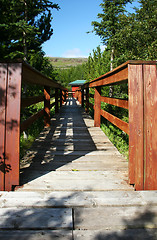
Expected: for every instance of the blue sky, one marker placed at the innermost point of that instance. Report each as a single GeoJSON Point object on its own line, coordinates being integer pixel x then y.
{"type": "Point", "coordinates": [71, 24]}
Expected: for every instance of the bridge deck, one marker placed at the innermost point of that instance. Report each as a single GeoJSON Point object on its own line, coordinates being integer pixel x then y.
{"type": "Point", "coordinates": [75, 188]}
{"type": "Point", "coordinates": [74, 155]}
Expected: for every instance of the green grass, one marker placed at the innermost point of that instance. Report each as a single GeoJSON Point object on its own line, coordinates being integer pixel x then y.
{"type": "Point", "coordinates": [65, 63]}
{"type": "Point", "coordinates": [119, 138]}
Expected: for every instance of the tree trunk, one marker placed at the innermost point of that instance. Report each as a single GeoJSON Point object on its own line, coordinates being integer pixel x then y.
{"type": "Point", "coordinates": [111, 68]}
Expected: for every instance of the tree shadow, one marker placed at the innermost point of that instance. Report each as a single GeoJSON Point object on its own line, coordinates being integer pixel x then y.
{"type": "Point", "coordinates": [141, 224]}
{"type": "Point", "coordinates": [41, 219]}
{"type": "Point", "coordinates": [142, 227]}
{"type": "Point", "coordinates": [53, 216]}
{"type": "Point", "coordinates": [67, 140]}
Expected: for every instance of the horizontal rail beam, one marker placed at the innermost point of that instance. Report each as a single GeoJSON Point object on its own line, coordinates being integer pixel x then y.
{"type": "Point", "coordinates": [31, 100]}
{"type": "Point", "coordinates": [116, 102]}
{"type": "Point", "coordinates": [110, 79]}
{"type": "Point", "coordinates": [25, 124]}
{"type": "Point", "coordinates": [91, 105]}
{"type": "Point", "coordinates": [116, 121]}
{"type": "Point", "coordinates": [32, 76]}
{"type": "Point", "coordinates": [91, 95]}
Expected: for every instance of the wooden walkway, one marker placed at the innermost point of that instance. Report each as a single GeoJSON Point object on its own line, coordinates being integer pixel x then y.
{"type": "Point", "coordinates": [74, 186]}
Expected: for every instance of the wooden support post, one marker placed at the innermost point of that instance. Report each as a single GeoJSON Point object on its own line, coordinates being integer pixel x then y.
{"type": "Point", "coordinates": [82, 97]}
{"type": "Point", "coordinates": [56, 100]}
{"type": "Point", "coordinates": [97, 107]}
{"type": "Point", "coordinates": [3, 92]}
{"type": "Point", "coordinates": [87, 100]}
{"type": "Point", "coordinates": [142, 79]}
{"type": "Point", "coordinates": [12, 126]}
{"type": "Point", "coordinates": [60, 98]}
{"type": "Point", "coordinates": [65, 95]}
{"type": "Point", "coordinates": [136, 125]}
{"type": "Point", "coordinates": [47, 106]}
{"type": "Point", "coordinates": [150, 127]}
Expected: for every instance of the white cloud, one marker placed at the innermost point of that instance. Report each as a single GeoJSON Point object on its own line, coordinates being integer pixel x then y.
{"type": "Point", "coordinates": [73, 53]}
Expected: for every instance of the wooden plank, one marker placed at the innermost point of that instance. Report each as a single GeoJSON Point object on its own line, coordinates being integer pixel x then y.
{"type": "Point", "coordinates": [150, 125]}
{"type": "Point", "coordinates": [36, 234]}
{"type": "Point", "coordinates": [56, 101]}
{"type": "Point", "coordinates": [93, 83]}
{"type": "Point", "coordinates": [116, 121]}
{"type": "Point", "coordinates": [25, 124]}
{"type": "Point", "coordinates": [87, 100]}
{"type": "Point", "coordinates": [77, 199]}
{"type": "Point", "coordinates": [60, 98]}
{"type": "Point", "coordinates": [111, 78]}
{"type": "Point", "coordinates": [97, 107]}
{"type": "Point", "coordinates": [136, 114]}
{"type": "Point", "coordinates": [13, 125]}
{"type": "Point", "coordinates": [52, 105]}
{"type": "Point", "coordinates": [82, 97]}
{"type": "Point", "coordinates": [116, 102]}
{"type": "Point", "coordinates": [116, 218]}
{"type": "Point", "coordinates": [47, 106]}
{"type": "Point", "coordinates": [91, 95]}
{"type": "Point", "coordinates": [91, 105]}
{"type": "Point", "coordinates": [118, 234]}
{"type": "Point", "coordinates": [31, 75]}
{"type": "Point", "coordinates": [34, 218]}
{"type": "Point", "coordinates": [31, 100]}
{"type": "Point", "coordinates": [3, 85]}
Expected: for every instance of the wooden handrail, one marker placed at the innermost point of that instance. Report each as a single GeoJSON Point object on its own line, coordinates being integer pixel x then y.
{"type": "Point", "coordinates": [12, 75]}
{"type": "Point", "coordinates": [141, 77]}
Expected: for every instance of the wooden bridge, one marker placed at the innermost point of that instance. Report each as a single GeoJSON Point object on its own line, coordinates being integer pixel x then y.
{"type": "Point", "coordinates": [73, 183]}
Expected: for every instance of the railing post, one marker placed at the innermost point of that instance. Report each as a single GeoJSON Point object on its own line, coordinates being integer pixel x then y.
{"type": "Point", "coordinates": [97, 107]}
{"type": "Point", "coordinates": [142, 126]}
{"type": "Point", "coordinates": [3, 89]}
{"type": "Point", "coordinates": [60, 98]}
{"type": "Point", "coordinates": [10, 127]}
{"type": "Point", "coordinates": [87, 100]}
{"type": "Point", "coordinates": [82, 97]}
{"type": "Point", "coordinates": [136, 136]}
{"type": "Point", "coordinates": [56, 100]}
{"type": "Point", "coordinates": [150, 127]}
{"type": "Point", "coordinates": [46, 106]}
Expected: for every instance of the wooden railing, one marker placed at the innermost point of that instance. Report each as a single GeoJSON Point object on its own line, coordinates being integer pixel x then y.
{"type": "Point", "coordinates": [141, 77]}
{"type": "Point", "coordinates": [12, 75]}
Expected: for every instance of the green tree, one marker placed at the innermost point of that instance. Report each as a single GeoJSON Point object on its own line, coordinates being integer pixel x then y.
{"type": "Point", "coordinates": [109, 25]}
{"type": "Point", "coordinates": [25, 25]}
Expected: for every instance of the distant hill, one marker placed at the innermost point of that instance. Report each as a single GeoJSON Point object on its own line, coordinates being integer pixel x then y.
{"type": "Point", "coordinates": [65, 63]}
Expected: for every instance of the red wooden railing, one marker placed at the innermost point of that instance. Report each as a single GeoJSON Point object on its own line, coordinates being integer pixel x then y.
{"type": "Point", "coordinates": [141, 77]}
{"type": "Point", "coordinates": [11, 77]}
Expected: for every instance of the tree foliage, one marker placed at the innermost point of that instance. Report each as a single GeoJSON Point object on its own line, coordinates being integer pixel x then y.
{"type": "Point", "coordinates": [132, 36]}
{"type": "Point", "coordinates": [109, 24]}
{"type": "Point", "coordinates": [25, 25]}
